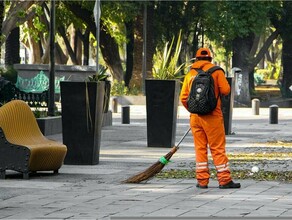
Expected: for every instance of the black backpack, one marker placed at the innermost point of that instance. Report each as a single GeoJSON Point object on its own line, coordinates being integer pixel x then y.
{"type": "Point", "coordinates": [202, 99]}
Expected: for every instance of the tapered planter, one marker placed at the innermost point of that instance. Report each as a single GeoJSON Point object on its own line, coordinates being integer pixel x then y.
{"type": "Point", "coordinates": [82, 114]}
{"type": "Point", "coordinates": [107, 95]}
{"type": "Point", "coordinates": [161, 104]}
{"type": "Point", "coordinates": [50, 125]}
{"type": "Point", "coordinates": [227, 107]}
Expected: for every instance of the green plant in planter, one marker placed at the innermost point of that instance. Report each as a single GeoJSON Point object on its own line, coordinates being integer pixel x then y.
{"type": "Point", "coordinates": [166, 62]}
{"type": "Point", "coordinates": [9, 73]}
{"type": "Point", "coordinates": [102, 75]}
{"type": "Point", "coordinates": [40, 113]}
{"type": "Point", "coordinates": [43, 112]}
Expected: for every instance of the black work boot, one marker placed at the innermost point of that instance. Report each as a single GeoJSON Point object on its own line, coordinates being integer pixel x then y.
{"type": "Point", "coordinates": [201, 187]}
{"type": "Point", "coordinates": [230, 185]}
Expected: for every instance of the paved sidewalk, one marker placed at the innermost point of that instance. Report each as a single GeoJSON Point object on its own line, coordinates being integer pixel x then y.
{"type": "Point", "coordinates": [96, 192]}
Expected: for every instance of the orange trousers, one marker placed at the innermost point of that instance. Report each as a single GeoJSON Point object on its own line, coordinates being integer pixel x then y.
{"type": "Point", "coordinates": [208, 130]}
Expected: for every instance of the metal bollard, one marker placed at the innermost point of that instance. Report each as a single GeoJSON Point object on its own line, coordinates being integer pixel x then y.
{"type": "Point", "coordinates": [125, 114]}
{"type": "Point", "coordinates": [255, 104]}
{"type": "Point", "coordinates": [273, 114]}
{"type": "Point", "coordinates": [114, 105]}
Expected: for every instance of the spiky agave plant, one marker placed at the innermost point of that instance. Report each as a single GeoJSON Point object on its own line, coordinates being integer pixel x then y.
{"type": "Point", "coordinates": [166, 62]}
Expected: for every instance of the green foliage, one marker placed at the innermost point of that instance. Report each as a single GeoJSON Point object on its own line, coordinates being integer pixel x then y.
{"type": "Point", "coordinates": [101, 76]}
{"type": "Point", "coordinates": [119, 89]}
{"type": "Point", "coordinates": [231, 19]}
{"type": "Point", "coordinates": [40, 113]}
{"type": "Point", "coordinates": [43, 112]}
{"type": "Point", "coordinates": [272, 71]}
{"type": "Point", "coordinates": [172, 16]}
{"type": "Point", "coordinates": [165, 64]}
{"type": "Point", "coordinates": [275, 69]}
{"type": "Point", "coordinates": [263, 73]}
{"type": "Point", "coordinates": [65, 17]}
{"type": "Point", "coordinates": [38, 25]}
{"type": "Point", "coordinates": [116, 13]}
{"type": "Point", "coordinates": [259, 79]}
{"type": "Point", "coordinates": [9, 73]}
{"type": "Point", "coordinates": [225, 21]}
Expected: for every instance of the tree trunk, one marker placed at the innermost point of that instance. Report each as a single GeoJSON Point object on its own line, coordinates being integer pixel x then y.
{"type": "Point", "coordinates": [108, 45]}
{"type": "Point", "coordinates": [34, 47]}
{"type": "Point", "coordinates": [111, 56]}
{"type": "Point", "coordinates": [138, 51]}
{"type": "Point", "coordinates": [60, 57]}
{"type": "Point", "coordinates": [138, 47]}
{"type": "Point", "coordinates": [130, 52]}
{"type": "Point", "coordinates": [287, 68]}
{"type": "Point", "coordinates": [13, 19]}
{"type": "Point", "coordinates": [73, 44]}
{"type": "Point", "coordinates": [62, 32]}
{"type": "Point", "coordinates": [77, 46]}
{"type": "Point", "coordinates": [12, 47]}
{"type": "Point", "coordinates": [151, 44]}
{"type": "Point", "coordinates": [287, 50]}
{"type": "Point", "coordinates": [85, 40]}
{"type": "Point", "coordinates": [1, 21]}
{"type": "Point", "coordinates": [240, 59]}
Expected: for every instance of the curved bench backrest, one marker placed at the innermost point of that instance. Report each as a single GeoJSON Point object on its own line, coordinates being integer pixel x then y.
{"type": "Point", "coordinates": [19, 123]}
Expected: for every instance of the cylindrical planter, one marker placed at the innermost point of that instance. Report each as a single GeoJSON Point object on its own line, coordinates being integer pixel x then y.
{"type": "Point", "coordinates": [82, 114]}
{"type": "Point", "coordinates": [162, 98]}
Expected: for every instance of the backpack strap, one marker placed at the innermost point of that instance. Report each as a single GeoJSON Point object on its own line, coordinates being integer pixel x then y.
{"type": "Point", "coordinates": [214, 68]}
{"type": "Point", "coordinates": [199, 70]}
{"type": "Point", "coordinates": [210, 71]}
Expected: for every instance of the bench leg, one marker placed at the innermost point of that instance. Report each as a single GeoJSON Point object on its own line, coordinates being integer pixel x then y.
{"type": "Point", "coordinates": [2, 174]}
{"type": "Point", "coordinates": [56, 171]}
{"type": "Point", "coordinates": [25, 176]}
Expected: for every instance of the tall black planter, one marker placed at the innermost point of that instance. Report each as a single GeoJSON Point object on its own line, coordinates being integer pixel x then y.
{"type": "Point", "coordinates": [107, 95]}
{"type": "Point", "coordinates": [227, 107]}
{"type": "Point", "coordinates": [161, 104]}
{"type": "Point", "coordinates": [82, 121]}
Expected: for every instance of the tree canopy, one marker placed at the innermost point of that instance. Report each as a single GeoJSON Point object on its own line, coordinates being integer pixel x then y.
{"type": "Point", "coordinates": [239, 32]}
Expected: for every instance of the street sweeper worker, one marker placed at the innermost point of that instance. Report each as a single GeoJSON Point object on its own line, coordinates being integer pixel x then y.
{"type": "Point", "coordinates": [208, 129]}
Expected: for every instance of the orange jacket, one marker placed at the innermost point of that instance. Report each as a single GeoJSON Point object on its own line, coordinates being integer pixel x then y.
{"type": "Point", "coordinates": [220, 82]}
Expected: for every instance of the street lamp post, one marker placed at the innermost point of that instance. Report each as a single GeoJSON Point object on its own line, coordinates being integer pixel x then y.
{"type": "Point", "coordinates": [51, 101]}
{"type": "Point", "coordinates": [144, 61]}
{"type": "Point", "coordinates": [96, 12]}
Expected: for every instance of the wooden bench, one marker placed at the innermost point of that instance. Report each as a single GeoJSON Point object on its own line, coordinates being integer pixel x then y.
{"type": "Point", "coordinates": [23, 147]}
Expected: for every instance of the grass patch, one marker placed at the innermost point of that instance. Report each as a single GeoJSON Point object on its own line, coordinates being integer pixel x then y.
{"type": "Point", "coordinates": [261, 156]}
{"type": "Point", "coordinates": [240, 162]}
{"type": "Point", "coordinates": [236, 174]}
{"type": "Point", "coordinates": [286, 143]}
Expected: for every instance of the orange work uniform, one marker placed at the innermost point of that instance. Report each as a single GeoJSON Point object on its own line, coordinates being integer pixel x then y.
{"type": "Point", "coordinates": [208, 129]}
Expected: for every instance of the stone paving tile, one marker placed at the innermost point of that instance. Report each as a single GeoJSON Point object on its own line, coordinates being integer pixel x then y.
{"type": "Point", "coordinates": [201, 212]}
{"type": "Point", "coordinates": [96, 192]}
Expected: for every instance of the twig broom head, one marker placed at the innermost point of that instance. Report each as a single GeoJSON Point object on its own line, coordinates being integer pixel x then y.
{"type": "Point", "coordinates": [153, 169]}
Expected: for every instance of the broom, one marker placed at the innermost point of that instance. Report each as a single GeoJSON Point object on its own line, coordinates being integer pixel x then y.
{"type": "Point", "coordinates": [156, 167]}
